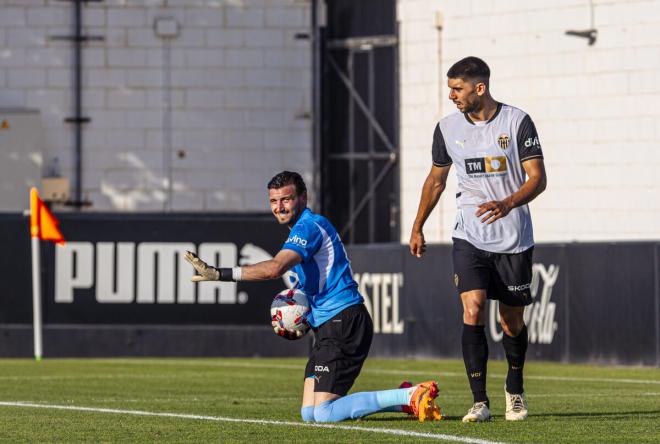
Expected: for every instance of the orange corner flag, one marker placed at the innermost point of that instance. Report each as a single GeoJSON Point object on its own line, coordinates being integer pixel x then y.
{"type": "Point", "coordinates": [42, 222]}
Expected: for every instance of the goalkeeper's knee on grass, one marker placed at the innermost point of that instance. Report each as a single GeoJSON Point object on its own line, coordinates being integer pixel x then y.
{"type": "Point", "coordinates": [307, 413]}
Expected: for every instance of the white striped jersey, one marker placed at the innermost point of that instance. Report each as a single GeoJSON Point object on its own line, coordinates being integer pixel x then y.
{"type": "Point", "coordinates": [488, 158]}
{"type": "Point", "coordinates": [324, 274]}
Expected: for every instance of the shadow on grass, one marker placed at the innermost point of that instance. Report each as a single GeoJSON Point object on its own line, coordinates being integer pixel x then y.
{"type": "Point", "coordinates": [596, 415]}
{"type": "Point", "coordinates": [585, 415]}
{"type": "Point", "coordinates": [394, 418]}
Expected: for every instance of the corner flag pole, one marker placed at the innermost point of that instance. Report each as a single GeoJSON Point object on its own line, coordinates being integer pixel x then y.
{"type": "Point", "coordinates": [43, 225]}
{"type": "Point", "coordinates": [36, 299]}
{"type": "Point", "coordinates": [36, 273]}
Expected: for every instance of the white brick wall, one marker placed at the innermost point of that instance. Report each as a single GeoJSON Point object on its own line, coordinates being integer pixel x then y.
{"type": "Point", "coordinates": [420, 78]}
{"type": "Point", "coordinates": [593, 106]}
{"type": "Point", "coordinates": [238, 79]}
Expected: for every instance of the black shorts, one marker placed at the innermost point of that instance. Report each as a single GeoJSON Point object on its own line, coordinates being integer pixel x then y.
{"type": "Point", "coordinates": [505, 277]}
{"type": "Point", "coordinates": [341, 345]}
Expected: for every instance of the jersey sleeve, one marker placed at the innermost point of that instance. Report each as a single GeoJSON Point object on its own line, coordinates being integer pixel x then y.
{"type": "Point", "coordinates": [440, 155]}
{"type": "Point", "coordinates": [304, 239]}
{"type": "Point", "coordinates": [529, 146]}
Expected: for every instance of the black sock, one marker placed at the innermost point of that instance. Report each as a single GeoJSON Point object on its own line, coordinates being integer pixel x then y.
{"type": "Point", "coordinates": [515, 349]}
{"type": "Point", "coordinates": [475, 356]}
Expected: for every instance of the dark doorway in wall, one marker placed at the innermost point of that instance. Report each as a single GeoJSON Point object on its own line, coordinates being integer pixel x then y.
{"type": "Point", "coordinates": [359, 120]}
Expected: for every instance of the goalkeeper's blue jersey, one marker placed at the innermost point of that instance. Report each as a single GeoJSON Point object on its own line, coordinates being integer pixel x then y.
{"type": "Point", "coordinates": [324, 274]}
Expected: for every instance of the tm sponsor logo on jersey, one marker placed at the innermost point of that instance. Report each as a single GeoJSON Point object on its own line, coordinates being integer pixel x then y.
{"type": "Point", "coordinates": [321, 368]}
{"type": "Point", "coordinates": [486, 166]}
{"type": "Point", "coordinates": [297, 240]}
{"type": "Point", "coordinates": [540, 315]}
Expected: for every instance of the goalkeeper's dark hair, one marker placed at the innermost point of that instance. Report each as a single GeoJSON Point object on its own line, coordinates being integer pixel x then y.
{"type": "Point", "coordinates": [288, 178]}
{"type": "Point", "coordinates": [471, 69]}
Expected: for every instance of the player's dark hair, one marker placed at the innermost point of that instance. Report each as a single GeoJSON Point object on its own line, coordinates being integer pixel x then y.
{"type": "Point", "coordinates": [288, 178]}
{"type": "Point", "coordinates": [470, 69]}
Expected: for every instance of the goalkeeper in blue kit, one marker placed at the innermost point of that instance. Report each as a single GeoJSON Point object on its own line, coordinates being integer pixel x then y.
{"type": "Point", "coordinates": [341, 324]}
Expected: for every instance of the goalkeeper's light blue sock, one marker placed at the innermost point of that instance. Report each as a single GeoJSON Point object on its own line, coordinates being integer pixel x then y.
{"type": "Point", "coordinates": [362, 404]}
{"type": "Point", "coordinates": [395, 397]}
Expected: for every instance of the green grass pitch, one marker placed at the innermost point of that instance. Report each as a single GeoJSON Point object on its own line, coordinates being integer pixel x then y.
{"type": "Point", "coordinates": [258, 400]}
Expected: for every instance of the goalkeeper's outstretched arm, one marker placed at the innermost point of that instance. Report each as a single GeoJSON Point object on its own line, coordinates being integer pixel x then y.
{"type": "Point", "coordinates": [262, 271]}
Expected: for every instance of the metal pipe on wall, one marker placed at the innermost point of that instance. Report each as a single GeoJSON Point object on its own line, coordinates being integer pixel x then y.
{"type": "Point", "coordinates": [167, 29]}
{"type": "Point", "coordinates": [78, 119]}
{"type": "Point", "coordinates": [318, 22]}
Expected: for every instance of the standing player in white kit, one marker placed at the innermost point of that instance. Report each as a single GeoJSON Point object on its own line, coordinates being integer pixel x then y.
{"type": "Point", "coordinates": [499, 165]}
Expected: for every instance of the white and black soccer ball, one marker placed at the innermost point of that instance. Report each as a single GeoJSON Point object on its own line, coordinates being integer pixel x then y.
{"type": "Point", "coordinates": [290, 309]}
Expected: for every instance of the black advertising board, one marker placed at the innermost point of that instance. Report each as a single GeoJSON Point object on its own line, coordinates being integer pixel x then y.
{"type": "Point", "coordinates": [434, 305]}
{"type": "Point", "coordinates": [613, 307]}
{"type": "Point", "coordinates": [15, 271]}
{"type": "Point", "coordinates": [121, 282]}
{"type": "Point", "coordinates": [592, 302]}
{"type": "Point", "coordinates": [432, 312]}
{"type": "Point", "coordinates": [129, 269]}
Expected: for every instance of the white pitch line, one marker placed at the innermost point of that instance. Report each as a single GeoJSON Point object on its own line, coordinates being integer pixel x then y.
{"type": "Point", "coordinates": [398, 432]}
{"type": "Point", "coordinates": [502, 375]}
{"type": "Point", "coordinates": [402, 373]}
{"type": "Point", "coordinates": [393, 372]}
{"type": "Point", "coordinates": [576, 379]}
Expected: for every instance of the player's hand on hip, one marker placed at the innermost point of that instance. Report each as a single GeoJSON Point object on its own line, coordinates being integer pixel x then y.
{"type": "Point", "coordinates": [205, 272]}
{"type": "Point", "coordinates": [286, 334]}
{"type": "Point", "coordinates": [493, 210]}
{"type": "Point", "coordinates": [417, 243]}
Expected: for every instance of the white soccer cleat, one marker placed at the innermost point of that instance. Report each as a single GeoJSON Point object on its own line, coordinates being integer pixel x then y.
{"type": "Point", "coordinates": [516, 406]}
{"type": "Point", "coordinates": [478, 413]}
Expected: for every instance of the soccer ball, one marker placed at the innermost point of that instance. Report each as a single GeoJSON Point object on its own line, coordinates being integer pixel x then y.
{"type": "Point", "coordinates": [290, 309]}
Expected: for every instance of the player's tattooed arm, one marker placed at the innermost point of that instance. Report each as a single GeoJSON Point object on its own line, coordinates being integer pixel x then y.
{"type": "Point", "coordinates": [533, 186]}
{"type": "Point", "coordinates": [433, 187]}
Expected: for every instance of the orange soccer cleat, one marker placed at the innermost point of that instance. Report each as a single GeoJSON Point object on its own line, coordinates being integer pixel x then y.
{"type": "Point", "coordinates": [422, 402]}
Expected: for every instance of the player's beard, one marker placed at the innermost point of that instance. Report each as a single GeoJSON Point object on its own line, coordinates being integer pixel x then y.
{"type": "Point", "coordinates": [293, 214]}
{"type": "Point", "coordinates": [472, 107]}
{"type": "Point", "coordinates": [284, 218]}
